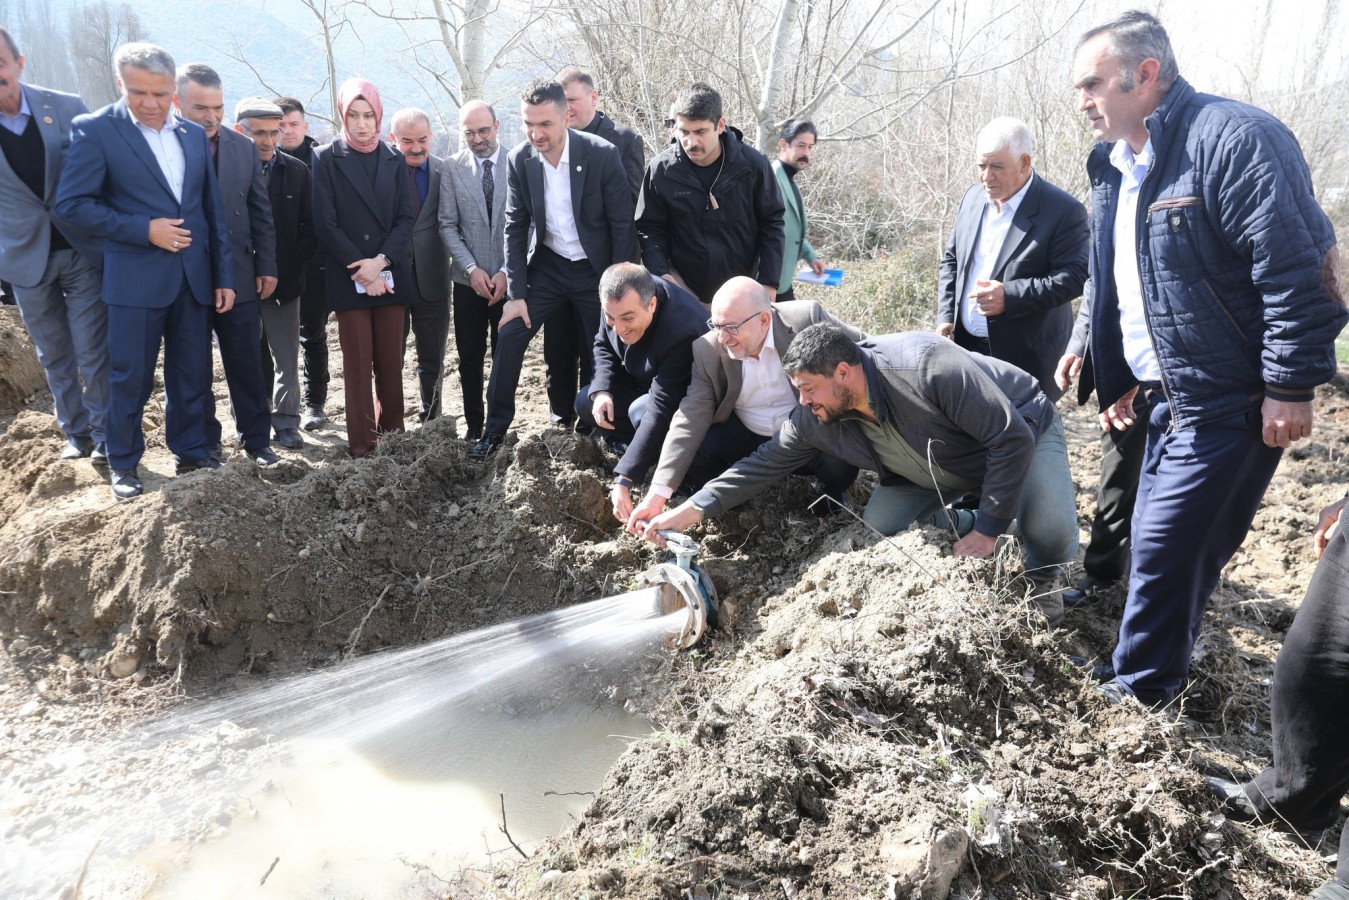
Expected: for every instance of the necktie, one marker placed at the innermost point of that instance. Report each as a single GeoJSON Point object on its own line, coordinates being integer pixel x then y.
{"type": "Point", "coordinates": [488, 186]}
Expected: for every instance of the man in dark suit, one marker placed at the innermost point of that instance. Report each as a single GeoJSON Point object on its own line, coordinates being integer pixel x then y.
{"type": "Point", "coordinates": [428, 317]}
{"type": "Point", "coordinates": [472, 225]}
{"type": "Point", "coordinates": [142, 180]}
{"type": "Point", "coordinates": [566, 193]}
{"type": "Point", "coordinates": [290, 192]}
{"type": "Point", "coordinates": [51, 265]}
{"type": "Point", "coordinates": [560, 348]}
{"type": "Point", "coordinates": [1015, 261]}
{"type": "Point", "coordinates": [252, 237]}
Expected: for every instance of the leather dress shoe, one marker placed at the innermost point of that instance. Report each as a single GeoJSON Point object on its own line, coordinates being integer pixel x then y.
{"type": "Point", "coordinates": [487, 446]}
{"type": "Point", "coordinates": [1100, 672]}
{"type": "Point", "coordinates": [1236, 803]}
{"type": "Point", "coordinates": [126, 484]}
{"type": "Point", "coordinates": [289, 438]}
{"type": "Point", "coordinates": [263, 456]}
{"type": "Point", "coordinates": [216, 451]}
{"type": "Point", "coordinates": [1085, 592]}
{"type": "Point", "coordinates": [313, 418]}
{"type": "Point", "coordinates": [473, 434]}
{"type": "Point", "coordinates": [183, 466]}
{"type": "Point", "coordinates": [100, 455]}
{"type": "Point", "coordinates": [614, 446]}
{"type": "Point", "coordinates": [77, 447]}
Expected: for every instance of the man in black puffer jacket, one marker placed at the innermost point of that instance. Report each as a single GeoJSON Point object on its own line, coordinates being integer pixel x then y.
{"type": "Point", "coordinates": [709, 208]}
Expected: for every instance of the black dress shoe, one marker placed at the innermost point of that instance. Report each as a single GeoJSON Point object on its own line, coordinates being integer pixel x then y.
{"type": "Point", "coordinates": [126, 484]}
{"type": "Point", "coordinates": [289, 438]}
{"type": "Point", "coordinates": [313, 418]}
{"type": "Point", "coordinates": [487, 446]}
{"type": "Point", "coordinates": [473, 435]}
{"type": "Point", "coordinates": [263, 456]}
{"type": "Point", "coordinates": [100, 455]}
{"type": "Point", "coordinates": [615, 446]}
{"type": "Point", "coordinates": [1236, 803]}
{"type": "Point", "coordinates": [216, 451]}
{"type": "Point", "coordinates": [1085, 592]}
{"type": "Point", "coordinates": [77, 447]}
{"type": "Point", "coordinates": [183, 466]}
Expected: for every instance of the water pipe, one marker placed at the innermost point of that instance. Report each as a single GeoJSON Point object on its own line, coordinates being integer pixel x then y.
{"type": "Point", "coordinates": [683, 586]}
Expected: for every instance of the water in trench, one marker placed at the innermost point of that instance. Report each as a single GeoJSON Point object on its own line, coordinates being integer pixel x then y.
{"type": "Point", "coordinates": [364, 780]}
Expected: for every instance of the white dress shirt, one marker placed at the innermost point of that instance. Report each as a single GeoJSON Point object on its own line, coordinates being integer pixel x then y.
{"type": "Point", "coordinates": [168, 151]}
{"type": "Point", "coordinates": [1138, 350]}
{"type": "Point", "coordinates": [559, 226]}
{"type": "Point", "coordinates": [17, 123]}
{"type": "Point", "coordinates": [992, 234]}
{"type": "Point", "coordinates": [766, 396]}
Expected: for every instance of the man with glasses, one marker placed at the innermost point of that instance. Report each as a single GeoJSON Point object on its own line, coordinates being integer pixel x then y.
{"type": "Point", "coordinates": [288, 189]}
{"type": "Point", "coordinates": [739, 395]}
{"type": "Point", "coordinates": [472, 225]}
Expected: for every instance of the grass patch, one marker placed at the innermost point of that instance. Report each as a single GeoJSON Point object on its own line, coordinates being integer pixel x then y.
{"type": "Point", "coordinates": [882, 296]}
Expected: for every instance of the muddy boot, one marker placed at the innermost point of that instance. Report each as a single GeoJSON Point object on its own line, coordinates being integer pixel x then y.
{"type": "Point", "coordinates": [1046, 595]}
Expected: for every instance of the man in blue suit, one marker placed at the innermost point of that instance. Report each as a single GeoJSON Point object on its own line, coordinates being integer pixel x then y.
{"type": "Point", "coordinates": [142, 180]}
{"type": "Point", "coordinates": [51, 265]}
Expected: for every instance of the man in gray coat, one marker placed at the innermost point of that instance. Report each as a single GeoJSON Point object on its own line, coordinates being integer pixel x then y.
{"type": "Point", "coordinates": [428, 315]}
{"type": "Point", "coordinates": [937, 422]}
{"type": "Point", "coordinates": [252, 240]}
{"type": "Point", "coordinates": [472, 225]}
{"type": "Point", "coordinates": [52, 266]}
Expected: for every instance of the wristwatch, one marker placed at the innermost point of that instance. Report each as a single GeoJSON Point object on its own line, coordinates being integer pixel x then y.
{"type": "Point", "coordinates": [470, 268]}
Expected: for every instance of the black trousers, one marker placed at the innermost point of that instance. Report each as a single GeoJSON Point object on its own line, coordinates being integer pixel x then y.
{"type": "Point", "coordinates": [238, 333]}
{"type": "Point", "coordinates": [314, 336]}
{"type": "Point", "coordinates": [428, 321]}
{"type": "Point", "coordinates": [475, 323]}
{"type": "Point", "coordinates": [562, 348]}
{"type": "Point", "coordinates": [1107, 555]}
{"type": "Point", "coordinates": [726, 443]}
{"type": "Point", "coordinates": [1310, 700]}
{"type": "Point", "coordinates": [554, 283]}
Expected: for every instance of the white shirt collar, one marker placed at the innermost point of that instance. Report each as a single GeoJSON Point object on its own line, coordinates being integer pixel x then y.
{"type": "Point", "coordinates": [1123, 157]}
{"type": "Point", "coordinates": [1010, 205]}
{"type": "Point", "coordinates": [494, 159]}
{"type": "Point", "coordinates": [565, 158]}
{"type": "Point", "coordinates": [170, 122]}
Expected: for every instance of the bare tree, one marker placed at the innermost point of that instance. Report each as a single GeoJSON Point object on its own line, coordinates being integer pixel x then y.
{"type": "Point", "coordinates": [333, 23]}
{"type": "Point", "coordinates": [96, 31]}
{"type": "Point", "coordinates": [43, 42]}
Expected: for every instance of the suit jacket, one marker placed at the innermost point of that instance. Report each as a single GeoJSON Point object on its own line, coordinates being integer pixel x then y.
{"type": "Point", "coordinates": [427, 255]}
{"type": "Point", "coordinates": [469, 236]}
{"type": "Point", "coordinates": [795, 247]}
{"type": "Point", "coordinates": [628, 143]}
{"type": "Point", "coordinates": [716, 384]}
{"type": "Point", "coordinates": [356, 220]}
{"type": "Point", "coordinates": [248, 213]}
{"type": "Point", "coordinates": [1042, 266]}
{"type": "Point", "coordinates": [25, 232]}
{"type": "Point", "coordinates": [601, 201]}
{"type": "Point", "coordinates": [112, 186]}
{"type": "Point", "coordinates": [290, 191]}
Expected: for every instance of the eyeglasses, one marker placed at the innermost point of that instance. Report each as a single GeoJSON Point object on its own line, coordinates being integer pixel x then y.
{"type": "Point", "coordinates": [484, 133]}
{"type": "Point", "coordinates": [731, 330]}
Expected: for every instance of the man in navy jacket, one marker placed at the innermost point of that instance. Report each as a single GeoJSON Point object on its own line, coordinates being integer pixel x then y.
{"type": "Point", "coordinates": [1215, 292]}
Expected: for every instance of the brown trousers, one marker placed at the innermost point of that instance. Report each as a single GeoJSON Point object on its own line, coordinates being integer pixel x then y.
{"type": "Point", "coordinates": [372, 342]}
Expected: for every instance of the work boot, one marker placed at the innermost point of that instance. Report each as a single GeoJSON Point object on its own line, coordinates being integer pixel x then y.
{"type": "Point", "coordinates": [1046, 595]}
{"type": "Point", "coordinates": [313, 418]}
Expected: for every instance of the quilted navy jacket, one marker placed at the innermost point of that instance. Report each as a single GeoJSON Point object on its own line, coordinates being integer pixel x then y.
{"type": "Point", "coordinates": [1238, 263]}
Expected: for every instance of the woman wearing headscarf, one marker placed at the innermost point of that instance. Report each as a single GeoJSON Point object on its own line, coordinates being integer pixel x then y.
{"type": "Point", "coordinates": [363, 218]}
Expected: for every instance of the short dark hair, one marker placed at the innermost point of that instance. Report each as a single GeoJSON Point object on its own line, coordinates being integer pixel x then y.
{"type": "Point", "coordinates": [289, 105]}
{"type": "Point", "coordinates": [198, 73]}
{"type": "Point", "coordinates": [794, 128]}
{"type": "Point", "coordinates": [1134, 37]}
{"type": "Point", "coordinates": [622, 277]}
{"type": "Point", "coordinates": [819, 349]}
{"type": "Point", "coordinates": [699, 102]}
{"type": "Point", "coordinates": [573, 74]}
{"type": "Point", "coordinates": [544, 90]}
{"type": "Point", "coordinates": [9, 40]}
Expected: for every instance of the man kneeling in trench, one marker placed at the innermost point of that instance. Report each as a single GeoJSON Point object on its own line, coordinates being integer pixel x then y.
{"type": "Point", "coordinates": [937, 422]}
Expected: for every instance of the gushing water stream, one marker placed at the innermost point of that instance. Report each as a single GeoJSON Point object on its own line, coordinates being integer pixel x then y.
{"type": "Point", "coordinates": [357, 780]}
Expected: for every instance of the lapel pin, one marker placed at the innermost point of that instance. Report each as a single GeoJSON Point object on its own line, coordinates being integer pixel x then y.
{"type": "Point", "coordinates": [47, 120]}
{"type": "Point", "coordinates": [578, 168]}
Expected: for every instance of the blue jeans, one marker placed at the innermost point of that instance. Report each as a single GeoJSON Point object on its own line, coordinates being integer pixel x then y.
{"type": "Point", "coordinates": [1197, 494]}
{"type": "Point", "coordinates": [68, 322]}
{"type": "Point", "coordinates": [1047, 512]}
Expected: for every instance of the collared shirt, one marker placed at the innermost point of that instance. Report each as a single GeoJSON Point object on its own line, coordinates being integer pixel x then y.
{"type": "Point", "coordinates": [900, 458]}
{"type": "Point", "coordinates": [993, 230]}
{"type": "Point", "coordinates": [766, 396]}
{"type": "Point", "coordinates": [1133, 323]}
{"type": "Point", "coordinates": [494, 159]}
{"type": "Point", "coordinates": [559, 227]}
{"type": "Point", "coordinates": [17, 123]}
{"type": "Point", "coordinates": [167, 150]}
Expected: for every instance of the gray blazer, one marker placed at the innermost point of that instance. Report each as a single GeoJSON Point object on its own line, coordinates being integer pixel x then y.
{"type": "Point", "coordinates": [247, 211]}
{"type": "Point", "coordinates": [427, 254]}
{"type": "Point", "coordinates": [716, 384]}
{"type": "Point", "coordinates": [25, 232]}
{"type": "Point", "coordinates": [469, 237]}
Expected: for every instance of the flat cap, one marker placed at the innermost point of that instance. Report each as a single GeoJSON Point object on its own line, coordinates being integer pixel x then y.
{"type": "Point", "coordinates": [256, 108]}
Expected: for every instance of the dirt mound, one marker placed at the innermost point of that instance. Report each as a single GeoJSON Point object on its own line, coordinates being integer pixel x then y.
{"type": "Point", "coordinates": [20, 374]}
